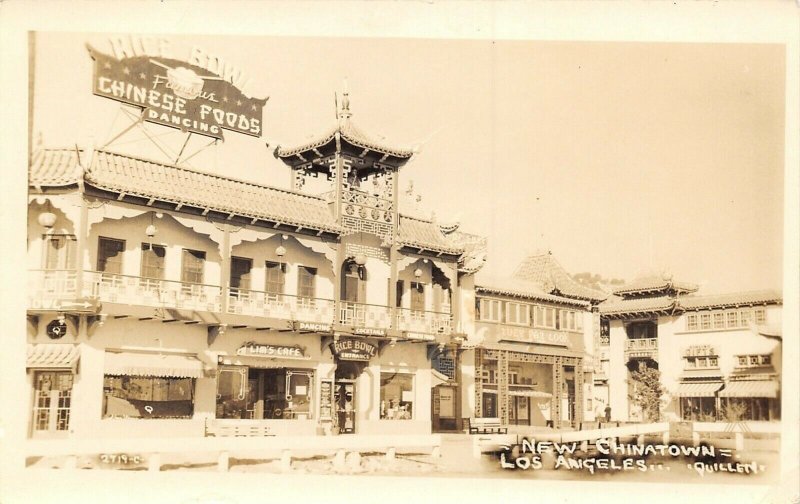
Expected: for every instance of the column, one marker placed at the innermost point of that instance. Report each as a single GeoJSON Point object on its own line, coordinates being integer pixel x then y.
{"type": "Point", "coordinates": [558, 373]}
{"type": "Point", "coordinates": [225, 274]}
{"type": "Point", "coordinates": [478, 383]}
{"type": "Point", "coordinates": [502, 386]}
{"type": "Point", "coordinates": [579, 396]}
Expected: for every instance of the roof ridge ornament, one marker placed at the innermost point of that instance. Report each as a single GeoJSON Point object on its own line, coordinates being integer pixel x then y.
{"type": "Point", "coordinates": [344, 113]}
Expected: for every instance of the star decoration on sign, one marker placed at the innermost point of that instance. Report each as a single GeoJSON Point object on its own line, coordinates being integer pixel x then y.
{"type": "Point", "coordinates": [253, 107]}
{"type": "Point", "coordinates": [238, 103]}
{"type": "Point", "coordinates": [126, 71]}
{"type": "Point", "coordinates": [107, 65]}
{"type": "Point", "coordinates": [143, 76]}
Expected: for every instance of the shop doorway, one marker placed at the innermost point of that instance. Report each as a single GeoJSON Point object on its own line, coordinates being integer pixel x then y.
{"type": "Point", "coordinates": [52, 403]}
{"type": "Point", "coordinates": [345, 399]}
{"type": "Point", "coordinates": [489, 406]}
{"type": "Point", "coordinates": [519, 408]}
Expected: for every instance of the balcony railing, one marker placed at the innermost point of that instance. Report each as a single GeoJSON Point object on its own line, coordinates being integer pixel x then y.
{"type": "Point", "coordinates": [154, 292]}
{"type": "Point", "coordinates": [47, 288]}
{"type": "Point", "coordinates": [281, 306]}
{"type": "Point", "coordinates": [418, 321]}
{"type": "Point", "coordinates": [364, 315]}
{"type": "Point", "coordinates": [641, 347]}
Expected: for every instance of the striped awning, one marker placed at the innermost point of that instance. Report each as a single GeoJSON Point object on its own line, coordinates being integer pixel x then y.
{"type": "Point", "coordinates": [53, 356]}
{"type": "Point", "coordinates": [153, 364]}
{"type": "Point", "coordinates": [754, 388]}
{"type": "Point", "coordinates": [701, 389]}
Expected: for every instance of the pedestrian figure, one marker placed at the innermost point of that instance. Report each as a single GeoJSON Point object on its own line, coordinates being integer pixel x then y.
{"type": "Point", "coordinates": [608, 414]}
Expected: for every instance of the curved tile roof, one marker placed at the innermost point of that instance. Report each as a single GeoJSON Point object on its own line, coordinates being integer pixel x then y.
{"type": "Point", "coordinates": [644, 305]}
{"type": "Point", "coordinates": [348, 132]}
{"type": "Point", "coordinates": [413, 232]}
{"type": "Point", "coordinates": [654, 283]}
{"type": "Point", "coordinates": [731, 299]}
{"type": "Point", "coordinates": [515, 287]}
{"type": "Point", "coordinates": [545, 270]}
{"type": "Point", "coordinates": [119, 173]}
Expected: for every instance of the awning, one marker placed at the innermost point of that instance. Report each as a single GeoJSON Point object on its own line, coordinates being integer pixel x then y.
{"type": "Point", "coordinates": [53, 356]}
{"type": "Point", "coordinates": [536, 394]}
{"type": "Point", "coordinates": [702, 389]}
{"type": "Point", "coordinates": [760, 388]}
{"type": "Point", "coordinates": [438, 378]}
{"type": "Point", "coordinates": [153, 364]}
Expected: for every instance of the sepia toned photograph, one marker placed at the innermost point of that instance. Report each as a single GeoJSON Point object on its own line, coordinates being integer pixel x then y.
{"type": "Point", "coordinates": [403, 260]}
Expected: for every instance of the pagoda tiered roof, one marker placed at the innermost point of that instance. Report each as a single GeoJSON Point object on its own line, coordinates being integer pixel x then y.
{"type": "Point", "coordinates": [547, 272]}
{"type": "Point", "coordinates": [680, 304]}
{"type": "Point", "coordinates": [654, 285]}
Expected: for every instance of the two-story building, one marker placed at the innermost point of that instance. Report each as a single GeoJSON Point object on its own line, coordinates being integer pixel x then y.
{"type": "Point", "coordinates": [164, 301]}
{"type": "Point", "coordinates": [531, 361]}
{"type": "Point", "coordinates": [718, 355]}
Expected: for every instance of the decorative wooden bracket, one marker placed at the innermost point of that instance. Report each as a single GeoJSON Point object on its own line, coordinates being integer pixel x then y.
{"type": "Point", "coordinates": [435, 351]}
{"type": "Point", "coordinates": [93, 322]}
{"type": "Point", "coordinates": [215, 331]}
{"type": "Point", "coordinates": [324, 342]}
{"type": "Point", "coordinates": [33, 325]}
{"type": "Point", "coordinates": [74, 323]}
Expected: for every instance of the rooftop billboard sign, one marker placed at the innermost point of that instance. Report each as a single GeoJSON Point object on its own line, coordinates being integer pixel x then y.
{"type": "Point", "coordinates": [200, 95]}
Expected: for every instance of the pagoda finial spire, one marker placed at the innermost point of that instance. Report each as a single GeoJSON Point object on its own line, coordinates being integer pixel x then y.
{"type": "Point", "coordinates": [345, 113]}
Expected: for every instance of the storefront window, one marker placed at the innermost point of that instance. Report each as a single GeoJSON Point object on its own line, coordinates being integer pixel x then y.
{"type": "Point", "coordinates": [702, 409]}
{"type": "Point", "coordinates": [148, 397]}
{"type": "Point", "coordinates": [265, 394]}
{"type": "Point", "coordinates": [397, 396]}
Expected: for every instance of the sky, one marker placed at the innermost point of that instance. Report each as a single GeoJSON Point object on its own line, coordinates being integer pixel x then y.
{"type": "Point", "coordinates": [621, 158]}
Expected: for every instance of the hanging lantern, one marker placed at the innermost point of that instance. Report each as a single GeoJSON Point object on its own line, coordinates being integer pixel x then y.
{"type": "Point", "coordinates": [150, 230]}
{"type": "Point", "coordinates": [417, 272]}
{"type": "Point", "coordinates": [47, 219]}
{"type": "Point", "coordinates": [280, 251]}
{"type": "Point", "coordinates": [360, 259]}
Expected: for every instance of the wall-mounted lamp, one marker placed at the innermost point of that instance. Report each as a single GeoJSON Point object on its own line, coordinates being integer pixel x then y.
{"type": "Point", "coordinates": [360, 259]}
{"type": "Point", "coordinates": [418, 272]}
{"type": "Point", "coordinates": [281, 250]}
{"type": "Point", "coordinates": [151, 230]}
{"type": "Point", "coordinates": [47, 218]}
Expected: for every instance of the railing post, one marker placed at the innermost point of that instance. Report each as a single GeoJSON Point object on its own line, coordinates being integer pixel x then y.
{"type": "Point", "coordinates": [390, 454]}
{"type": "Point", "coordinates": [286, 460]}
{"type": "Point", "coordinates": [739, 438]}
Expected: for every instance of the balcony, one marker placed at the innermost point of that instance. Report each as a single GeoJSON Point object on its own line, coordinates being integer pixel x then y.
{"type": "Point", "coordinates": [366, 319]}
{"type": "Point", "coordinates": [424, 322]}
{"type": "Point", "coordinates": [158, 293]}
{"type": "Point", "coordinates": [58, 290]}
{"type": "Point", "coordinates": [641, 348]}
{"type": "Point", "coordinates": [280, 306]}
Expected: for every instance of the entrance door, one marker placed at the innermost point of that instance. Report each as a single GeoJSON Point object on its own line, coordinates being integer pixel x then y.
{"type": "Point", "coordinates": [489, 405]}
{"type": "Point", "coordinates": [345, 399]}
{"type": "Point", "coordinates": [51, 403]}
{"type": "Point", "coordinates": [520, 410]}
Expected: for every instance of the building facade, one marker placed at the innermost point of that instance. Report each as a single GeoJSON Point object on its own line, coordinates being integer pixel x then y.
{"type": "Point", "coordinates": [719, 356]}
{"type": "Point", "coordinates": [164, 301]}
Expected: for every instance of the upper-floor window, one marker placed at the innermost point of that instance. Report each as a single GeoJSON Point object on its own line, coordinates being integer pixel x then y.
{"type": "Point", "coordinates": [153, 261]}
{"type": "Point", "coordinates": [638, 330]}
{"type": "Point", "coordinates": [570, 320]}
{"type": "Point", "coordinates": [544, 316]}
{"type": "Point", "coordinates": [753, 360]}
{"type": "Point", "coordinates": [725, 319]}
{"type": "Point", "coordinates": [490, 310]}
{"type": "Point", "coordinates": [605, 332]}
{"type": "Point", "coordinates": [517, 313]}
{"type": "Point", "coordinates": [193, 266]}
{"type": "Point", "coordinates": [109, 255]}
{"type": "Point", "coordinates": [306, 281]}
{"type": "Point", "coordinates": [275, 277]}
{"type": "Point", "coordinates": [701, 362]}
{"type": "Point", "coordinates": [59, 252]}
{"type": "Point", "coordinates": [417, 296]}
{"type": "Point", "coordinates": [241, 268]}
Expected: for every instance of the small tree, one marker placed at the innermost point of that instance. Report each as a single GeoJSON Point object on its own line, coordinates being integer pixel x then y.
{"type": "Point", "coordinates": [648, 391]}
{"type": "Point", "coordinates": [734, 411]}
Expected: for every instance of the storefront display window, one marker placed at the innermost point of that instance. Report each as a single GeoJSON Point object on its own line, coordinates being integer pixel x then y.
{"type": "Point", "coordinates": [265, 394]}
{"type": "Point", "coordinates": [148, 397]}
{"type": "Point", "coordinates": [397, 396]}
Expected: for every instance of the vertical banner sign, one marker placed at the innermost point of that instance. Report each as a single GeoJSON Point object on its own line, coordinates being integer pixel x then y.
{"type": "Point", "coordinates": [326, 400]}
{"type": "Point", "coordinates": [177, 94]}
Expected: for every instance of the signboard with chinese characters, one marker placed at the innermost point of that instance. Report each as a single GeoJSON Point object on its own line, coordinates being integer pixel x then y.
{"type": "Point", "coordinates": [354, 349]}
{"type": "Point", "coordinates": [193, 95]}
{"type": "Point", "coordinates": [251, 349]}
